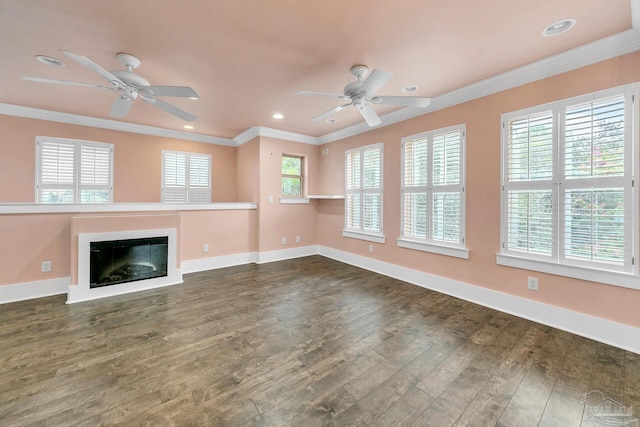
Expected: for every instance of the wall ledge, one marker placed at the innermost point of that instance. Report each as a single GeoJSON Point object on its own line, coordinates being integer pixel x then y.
{"type": "Point", "coordinates": [36, 208]}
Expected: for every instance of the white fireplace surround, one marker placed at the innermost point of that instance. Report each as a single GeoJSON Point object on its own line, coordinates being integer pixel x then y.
{"type": "Point", "coordinates": [83, 292]}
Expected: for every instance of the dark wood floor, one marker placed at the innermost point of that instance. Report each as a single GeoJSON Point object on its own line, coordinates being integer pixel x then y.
{"type": "Point", "coordinates": [303, 342]}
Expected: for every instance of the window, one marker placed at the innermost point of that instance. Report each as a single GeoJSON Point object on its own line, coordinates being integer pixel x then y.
{"type": "Point", "coordinates": [433, 197]}
{"type": "Point", "coordinates": [186, 177]}
{"type": "Point", "coordinates": [71, 171]}
{"type": "Point", "coordinates": [291, 176]}
{"type": "Point", "coordinates": [363, 193]}
{"type": "Point", "coordinates": [568, 195]}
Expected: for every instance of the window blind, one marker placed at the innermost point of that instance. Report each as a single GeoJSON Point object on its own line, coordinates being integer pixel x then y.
{"type": "Point", "coordinates": [186, 177]}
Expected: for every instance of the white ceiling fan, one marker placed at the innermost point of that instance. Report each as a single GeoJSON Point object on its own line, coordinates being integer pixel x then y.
{"type": "Point", "coordinates": [130, 86]}
{"type": "Point", "coordinates": [362, 95]}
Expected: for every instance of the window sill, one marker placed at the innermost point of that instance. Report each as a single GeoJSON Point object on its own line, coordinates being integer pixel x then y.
{"type": "Point", "coordinates": [608, 277]}
{"type": "Point", "coordinates": [294, 201]}
{"type": "Point", "coordinates": [433, 248]}
{"type": "Point", "coordinates": [362, 235]}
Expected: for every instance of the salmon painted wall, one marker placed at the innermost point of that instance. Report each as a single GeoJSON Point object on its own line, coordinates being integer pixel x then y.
{"type": "Point", "coordinates": [482, 118]}
{"type": "Point", "coordinates": [137, 160]}
{"type": "Point", "coordinates": [278, 220]}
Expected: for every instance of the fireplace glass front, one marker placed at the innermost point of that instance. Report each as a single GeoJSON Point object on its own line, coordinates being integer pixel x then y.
{"type": "Point", "coordinates": [121, 261]}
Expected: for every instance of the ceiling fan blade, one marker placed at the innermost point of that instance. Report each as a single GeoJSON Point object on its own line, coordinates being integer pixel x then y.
{"type": "Point", "coordinates": [405, 101]}
{"type": "Point", "coordinates": [169, 108]}
{"type": "Point", "coordinates": [375, 81]}
{"type": "Point", "coordinates": [86, 62]}
{"type": "Point", "coordinates": [64, 82]}
{"type": "Point", "coordinates": [178, 91]}
{"type": "Point", "coordinates": [121, 106]}
{"type": "Point", "coordinates": [327, 95]}
{"type": "Point", "coordinates": [329, 113]}
{"type": "Point", "coordinates": [370, 116]}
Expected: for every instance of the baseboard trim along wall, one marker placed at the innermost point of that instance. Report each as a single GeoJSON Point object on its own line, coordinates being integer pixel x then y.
{"type": "Point", "coordinates": [283, 254]}
{"type": "Point", "coordinates": [212, 263]}
{"type": "Point", "coordinates": [37, 289]}
{"type": "Point", "coordinates": [606, 331]}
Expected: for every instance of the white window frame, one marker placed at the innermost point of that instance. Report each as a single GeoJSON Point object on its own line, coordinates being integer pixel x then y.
{"type": "Point", "coordinates": [294, 199]}
{"type": "Point", "coordinates": [187, 187]}
{"type": "Point", "coordinates": [76, 186]}
{"type": "Point", "coordinates": [428, 244]}
{"type": "Point", "coordinates": [377, 237]}
{"type": "Point", "coordinates": [556, 263]}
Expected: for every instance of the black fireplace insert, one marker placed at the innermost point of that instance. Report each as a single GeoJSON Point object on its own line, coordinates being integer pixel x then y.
{"type": "Point", "coordinates": [121, 261]}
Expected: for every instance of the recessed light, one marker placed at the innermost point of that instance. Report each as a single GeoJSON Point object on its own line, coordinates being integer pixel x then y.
{"type": "Point", "coordinates": [558, 27]}
{"type": "Point", "coordinates": [331, 120]}
{"type": "Point", "coordinates": [188, 127]}
{"type": "Point", "coordinates": [193, 97]}
{"type": "Point", "coordinates": [50, 61]}
{"type": "Point", "coordinates": [278, 116]}
{"type": "Point", "coordinates": [410, 89]}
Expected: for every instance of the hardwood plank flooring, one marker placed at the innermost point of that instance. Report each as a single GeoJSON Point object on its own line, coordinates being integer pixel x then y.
{"type": "Point", "coordinates": [303, 342]}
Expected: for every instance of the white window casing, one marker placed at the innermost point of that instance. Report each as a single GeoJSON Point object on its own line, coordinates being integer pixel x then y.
{"type": "Point", "coordinates": [73, 171]}
{"type": "Point", "coordinates": [433, 192]}
{"type": "Point", "coordinates": [186, 177]}
{"type": "Point", "coordinates": [569, 202]}
{"type": "Point", "coordinates": [363, 193]}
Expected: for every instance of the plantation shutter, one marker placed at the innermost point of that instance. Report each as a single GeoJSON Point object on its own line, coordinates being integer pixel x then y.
{"type": "Point", "coordinates": [447, 192]}
{"type": "Point", "coordinates": [433, 186]}
{"type": "Point", "coordinates": [95, 173]}
{"type": "Point", "coordinates": [70, 171]}
{"type": "Point", "coordinates": [186, 177]}
{"type": "Point", "coordinates": [372, 183]}
{"type": "Point", "coordinates": [199, 179]}
{"type": "Point", "coordinates": [529, 184]}
{"type": "Point", "coordinates": [593, 196]}
{"type": "Point", "coordinates": [363, 189]}
{"type": "Point", "coordinates": [415, 207]}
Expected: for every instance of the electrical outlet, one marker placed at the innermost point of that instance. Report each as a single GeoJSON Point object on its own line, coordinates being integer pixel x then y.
{"type": "Point", "coordinates": [297, 239]}
{"type": "Point", "coordinates": [532, 283]}
{"type": "Point", "coordinates": [46, 266]}
{"type": "Point", "coordinates": [270, 198]}
{"type": "Point", "coordinates": [205, 248]}
{"type": "Point", "coordinates": [284, 240]}
{"type": "Point", "coordinates": [371, 248]}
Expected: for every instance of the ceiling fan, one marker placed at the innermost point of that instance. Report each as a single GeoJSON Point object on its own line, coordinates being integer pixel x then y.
{"type": "Point", "coordinates": [362, 95]}
{"type": "Point", "coordinates": [130, 86]}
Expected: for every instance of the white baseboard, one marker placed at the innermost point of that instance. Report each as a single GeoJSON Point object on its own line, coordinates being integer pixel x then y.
{"type": "Point", "coordinates": [280, 255]}
{"type": "Point", "coordinates": [30, 290]}
{"type": "Point", "coordinates": [211, 263]}
{"type": "Point", "coordinates": [606, 331]}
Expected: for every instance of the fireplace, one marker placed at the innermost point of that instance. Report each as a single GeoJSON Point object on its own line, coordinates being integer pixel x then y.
{"type": "Point", "coordinates": [121, 261]}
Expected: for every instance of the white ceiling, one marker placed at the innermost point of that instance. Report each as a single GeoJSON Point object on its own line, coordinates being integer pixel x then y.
{"type": "Point", "coordinates": [247, 57]}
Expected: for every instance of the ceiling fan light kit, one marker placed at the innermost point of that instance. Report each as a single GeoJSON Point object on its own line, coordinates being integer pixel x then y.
{"type": "Point", "coordinates": [361, 94]}
{"type": "Point", "coordinates": [129, 84]}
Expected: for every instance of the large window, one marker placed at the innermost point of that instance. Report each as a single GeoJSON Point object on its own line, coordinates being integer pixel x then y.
{"type": "Point", "coordinates": [568, 195]}
{"type": "Point", "coordinates": [433, 202]}
{"type": "Point", "coordinates": [186, 177]}
{"type": "Point", "coordinates": [291, 176]}
{"type": "Point", "coordinates": [363, 193]}
{"type": "Point", "coordinates": [72, 171]}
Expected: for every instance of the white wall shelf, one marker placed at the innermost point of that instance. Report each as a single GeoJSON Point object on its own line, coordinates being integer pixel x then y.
{"type": "Point", "coordinates": [34, 208]}
{"type": "Point", "coordinates": [325, 196]}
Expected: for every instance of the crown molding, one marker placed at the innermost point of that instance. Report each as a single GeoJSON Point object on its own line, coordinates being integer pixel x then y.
{"type": "Point", "coordinates": [75, 119]}
{"type": "Point", "coordinates": [256, 131]}
{"type": "Point", "coordinates": [601, 50]}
